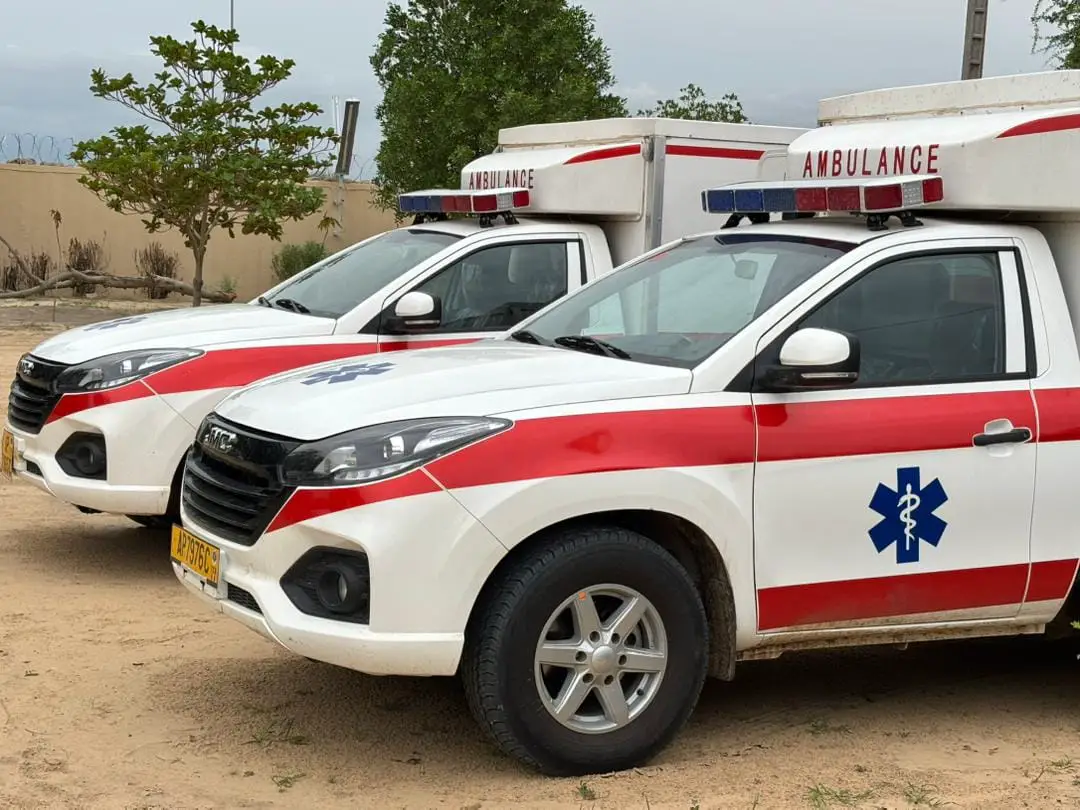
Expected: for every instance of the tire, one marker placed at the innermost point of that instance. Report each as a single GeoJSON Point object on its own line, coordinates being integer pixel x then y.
{"type": "Point", "coordinates": [151, 521]}
{"type": "Point", "coordinates": [504, 682]}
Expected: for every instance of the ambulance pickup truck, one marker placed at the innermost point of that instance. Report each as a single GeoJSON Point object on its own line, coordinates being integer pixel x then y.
{"type": "Point", "coordinates": [858, 423]}
{"type": "Point", "coordinates": [101, 416]}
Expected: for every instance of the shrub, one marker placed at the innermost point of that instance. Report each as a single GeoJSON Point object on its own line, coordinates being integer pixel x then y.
{"type": "Point", "coordinates": [88, 258]}
{"type": "Point", "coordinates": [11, 280]}
{"type": "Point", "coordinates": [291, 259]}
{"type": "Point", "coordinates": [154, 260]}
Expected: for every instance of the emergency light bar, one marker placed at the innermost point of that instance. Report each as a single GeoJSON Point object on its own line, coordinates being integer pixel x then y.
{"type": "Point", "coordinates": [455, 201]}
{"type": "Point", "coordinates": [881, 195]}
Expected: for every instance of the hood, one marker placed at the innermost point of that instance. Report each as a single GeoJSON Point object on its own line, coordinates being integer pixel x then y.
{"type": "Point", "coordinates": [193, 327]}
{"type": "Point", "coordinates": [480, 379]}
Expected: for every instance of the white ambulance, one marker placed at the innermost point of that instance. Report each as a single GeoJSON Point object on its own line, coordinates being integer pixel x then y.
{"type": "Point", "coordinates": [855, 424]}
{"type": "Point", "coordinates": [101, 416]}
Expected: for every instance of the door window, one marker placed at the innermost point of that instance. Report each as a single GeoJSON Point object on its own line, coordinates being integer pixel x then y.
{"type": "Point", "coordinates": [496, 287]}
{"type": "Point", "coordinates": [929, 319]}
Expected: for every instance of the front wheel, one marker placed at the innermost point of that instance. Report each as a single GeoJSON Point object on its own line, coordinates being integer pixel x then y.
{"type": "Point", "coordinates": [152, 521]}
{"type": "Point", "coordinates": [589, 654]}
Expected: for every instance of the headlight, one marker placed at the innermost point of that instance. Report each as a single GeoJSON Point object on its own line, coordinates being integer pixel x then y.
{"type": "Point", "coordinates": [119, 369]}
{"type": "Point", "coordinates": [381, 451]}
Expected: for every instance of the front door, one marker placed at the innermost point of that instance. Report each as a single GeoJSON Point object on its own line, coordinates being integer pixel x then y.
{"type": "Point", "coordinates": [491, 290]}
{"type": "Point", "coordinates": [906, 497]}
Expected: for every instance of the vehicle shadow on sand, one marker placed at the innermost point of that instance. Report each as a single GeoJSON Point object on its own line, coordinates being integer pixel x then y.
{"type": "Point", "coordinates": [96, 546]}
{"type": "Point", "coordinates": [379, 730]}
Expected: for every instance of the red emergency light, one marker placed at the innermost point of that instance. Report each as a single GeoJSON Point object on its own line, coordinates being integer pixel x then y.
{"type": "Point", "coordinates": [455, 201]}
{"type": "Point", "coordinates": [880, 195]}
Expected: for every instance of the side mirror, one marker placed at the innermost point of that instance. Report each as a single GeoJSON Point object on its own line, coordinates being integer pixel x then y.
{"type": "Point", "coordinates": [415, 312]}
{"type": "Point", "coordinates": [814, 358]}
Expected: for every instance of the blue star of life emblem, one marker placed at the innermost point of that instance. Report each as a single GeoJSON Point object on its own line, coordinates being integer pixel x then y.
{"type": "Point", "coordinates": [907, 515]}
{"type": "Point", "coordinates": [97, 327]}
{"type": "Point", "coordinates": [347, 373]}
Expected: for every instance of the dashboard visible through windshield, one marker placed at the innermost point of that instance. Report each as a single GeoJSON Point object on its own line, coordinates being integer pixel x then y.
{"type": "Point", "coordinates": [679, 306]}
{"type": "Point", "coordinates": [340, 283]}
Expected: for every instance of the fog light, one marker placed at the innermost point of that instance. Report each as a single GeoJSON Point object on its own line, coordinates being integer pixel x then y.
{"type": "Point", "coordinates": [83, 456]}
{"type": "Point", "coordinates": [340, 589]}
{"type": "Point", "coordinates": [331, 583]}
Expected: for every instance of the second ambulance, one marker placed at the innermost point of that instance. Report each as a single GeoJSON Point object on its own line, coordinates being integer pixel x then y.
{"type": "Point", "coordinates": [856, 424]}
{"type": "Point", "coordinates": [101, 416]}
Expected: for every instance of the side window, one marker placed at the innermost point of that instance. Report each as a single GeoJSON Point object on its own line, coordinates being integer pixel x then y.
{"type": "Point", "coordinates": [496, 287]}
{"type": "Point", "coordinates": [928, 319]}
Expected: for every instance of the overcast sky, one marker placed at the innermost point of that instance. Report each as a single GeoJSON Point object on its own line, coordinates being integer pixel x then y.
{"type": "Point", "coordinates": [779, 56]}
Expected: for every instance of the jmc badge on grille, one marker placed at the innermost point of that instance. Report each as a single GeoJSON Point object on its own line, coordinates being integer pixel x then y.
{"type": "Point", "coordinates": [219, 439]}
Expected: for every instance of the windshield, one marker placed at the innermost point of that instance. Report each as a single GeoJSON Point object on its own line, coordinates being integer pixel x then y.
{"type": "Point", "coordinates": [338, 284]}
{"type": "Point", "coordinates": [677, 307]}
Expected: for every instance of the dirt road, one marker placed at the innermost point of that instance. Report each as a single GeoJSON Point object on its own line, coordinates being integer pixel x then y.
{"type": "Point", "coordinates": [118, 690]}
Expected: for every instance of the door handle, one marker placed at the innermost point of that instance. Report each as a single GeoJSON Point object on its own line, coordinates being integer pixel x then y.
{"type": "Point", "coordinates": [1014, 436]}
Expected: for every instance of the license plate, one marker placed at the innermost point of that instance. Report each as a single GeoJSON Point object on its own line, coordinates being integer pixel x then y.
{"type": "Point", "coordinates": [7, 455]}
{"type": "Point", "coordinates": [196, 555]}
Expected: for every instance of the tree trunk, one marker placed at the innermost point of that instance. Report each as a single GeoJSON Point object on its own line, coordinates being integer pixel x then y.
{"type": "Point", "coordinates": [196, 282]}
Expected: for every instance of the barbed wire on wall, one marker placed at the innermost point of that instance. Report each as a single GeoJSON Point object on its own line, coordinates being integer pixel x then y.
{"type": "Point", "coordinates": [31, 149]}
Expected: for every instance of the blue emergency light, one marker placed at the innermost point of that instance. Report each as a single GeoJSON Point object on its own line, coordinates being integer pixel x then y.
{"type": "Point", "coordinates": [819, 196]}
{"type": "Point", "coordinates": [456, 201]}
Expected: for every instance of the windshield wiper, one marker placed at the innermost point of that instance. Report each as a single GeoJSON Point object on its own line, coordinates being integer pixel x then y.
{"type": "Point", "coordinates": [262, 299]}
{"type": "Point", "coordinates": [590, 344]}
{"type": "Point", "coordinates": [525, 336]}
{"type": "Point", "coordinates": [291, 305]}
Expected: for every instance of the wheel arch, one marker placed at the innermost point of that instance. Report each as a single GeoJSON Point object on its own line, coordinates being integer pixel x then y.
{"type": "Point", "coordinates": [683, 539]}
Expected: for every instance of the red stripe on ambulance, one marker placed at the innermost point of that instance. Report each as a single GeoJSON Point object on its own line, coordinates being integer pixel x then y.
{"type": "Point", "coordinates": [1042, 126]}
{"type": "Point", "coordinates": [306, 504]}
{"type": "Point", "coordinates": [74, 403]}
{"type": "Point", "coordinates": [857, 427]}
{"type": "Point", "coordinates": [912, 594]}
{"type": "Point", "coordinates": [687, 150]}
{"type": "Point", "coordinates": [606, 153]}
{"type": "Point", "coordinates": [592, 443]}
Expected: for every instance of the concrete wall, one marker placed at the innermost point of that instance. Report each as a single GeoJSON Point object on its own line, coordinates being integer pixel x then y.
{"type": "Point", "coordinates": [28, 193]}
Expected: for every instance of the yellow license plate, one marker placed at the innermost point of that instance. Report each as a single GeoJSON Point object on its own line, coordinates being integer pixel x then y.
{"type": "Point", "coordinates": [196, 555]}
{"type": "Point", "coordinates": [7, 455]}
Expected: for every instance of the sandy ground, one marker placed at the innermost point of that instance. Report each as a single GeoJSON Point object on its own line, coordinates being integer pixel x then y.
{"type": "Point", "coordinates": [118, 690]}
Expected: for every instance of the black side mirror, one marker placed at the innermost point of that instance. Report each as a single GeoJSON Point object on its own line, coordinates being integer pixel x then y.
{"type": "Point", "coordinates": [414, 312]}
{"type": "Point", "coordinates": [812, 359]}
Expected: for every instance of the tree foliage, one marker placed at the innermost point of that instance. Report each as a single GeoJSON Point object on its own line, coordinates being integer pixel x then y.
{"type": "Point", "coordinates": [212, 160]}
{"type": "Point", "coordinates": [694, 105]}
{"type": "Point", "coordinates": [1063, 18]}
{"type": "Point", "coordinates": [454, 72]}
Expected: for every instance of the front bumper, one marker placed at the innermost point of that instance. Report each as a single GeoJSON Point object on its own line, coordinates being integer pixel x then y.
{"type": "Point", "coordinates": [428, 558]}
{"type": "Point", "coordinates": [145, 441]}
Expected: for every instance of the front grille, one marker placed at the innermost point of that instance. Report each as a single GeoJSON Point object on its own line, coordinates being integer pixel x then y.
{"type": "Point", "coordinates": [32, 399]}
{"type": "Point", "coordinates": [235, 492]}
{"type": "Point", "coordinates": [243, 598]}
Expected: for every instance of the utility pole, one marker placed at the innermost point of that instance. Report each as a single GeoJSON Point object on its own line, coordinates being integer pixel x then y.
{"type": "Point", "coordinates": [975, 39]}
{"type": "Point", "coordinates": [232, 23]}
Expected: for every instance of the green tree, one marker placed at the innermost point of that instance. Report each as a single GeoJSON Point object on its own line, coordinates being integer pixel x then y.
{"type": "Point", "coordinates": [453, 72]}
{"type": "Point", "coordinates": [1063, 46]}
{"type": "Point", "coordinates": [212, 160]}
{"type": "Point", "coordinates": [694, 105]}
